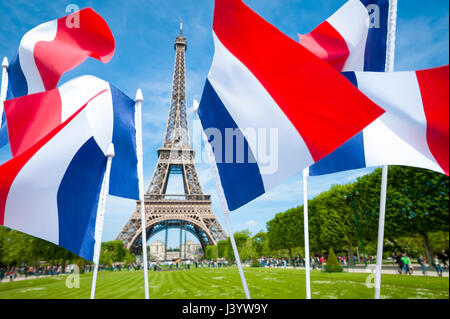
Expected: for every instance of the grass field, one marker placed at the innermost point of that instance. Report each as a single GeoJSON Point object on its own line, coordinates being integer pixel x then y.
{"type": "Point", "coordinates": [225, 284]}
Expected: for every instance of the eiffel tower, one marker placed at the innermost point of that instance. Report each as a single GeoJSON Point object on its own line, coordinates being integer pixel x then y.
{"type": "Point", "coordinates": [190, 211]}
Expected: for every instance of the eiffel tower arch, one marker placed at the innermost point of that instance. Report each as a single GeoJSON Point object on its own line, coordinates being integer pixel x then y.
{"type": "Point", "coordinates": [191, 210]}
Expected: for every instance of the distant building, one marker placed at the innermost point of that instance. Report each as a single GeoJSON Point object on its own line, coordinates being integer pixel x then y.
{"type": "Point", "coordinates": [193, 251]}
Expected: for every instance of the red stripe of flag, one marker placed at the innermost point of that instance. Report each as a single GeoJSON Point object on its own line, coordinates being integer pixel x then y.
{"type": "Point", "coordinates": [10, 169]}
{"type": "Point", "coordinates": [31, 117]}
{"type": "Point", "coordinates": [72, 45]}
{"type": "Point", "coordinates": [434, 88]}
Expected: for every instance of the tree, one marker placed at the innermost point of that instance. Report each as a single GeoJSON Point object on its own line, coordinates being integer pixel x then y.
{"type": "Point", "coordinates": [333, 219]}
{"type": "Point", "coordinates": [222, 248]}
{"type": "Point", "coordinates": [285, 231]}
{"type": "Point", "coordinates": [247, 250]}
{"type": "Point", "coordinates": [417, 202]}
{"type": "Point", "coordinates": [422, 201]}
{"type": "Point", "coordinates": [240, 238]}
{"type": "Point", "coordinates": [261, 244]}
{"type": "Point", "coordinates": [211, 252]}
{"type": "Point", "coordinates": [114, 251]}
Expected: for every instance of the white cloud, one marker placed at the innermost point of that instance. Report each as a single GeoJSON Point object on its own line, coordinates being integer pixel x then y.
{"type": "Point", "coordinates": [249, 223]}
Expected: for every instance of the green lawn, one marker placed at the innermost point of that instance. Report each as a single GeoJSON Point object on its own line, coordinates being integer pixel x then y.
{"type": "Point", "coordinates": [225, 284]}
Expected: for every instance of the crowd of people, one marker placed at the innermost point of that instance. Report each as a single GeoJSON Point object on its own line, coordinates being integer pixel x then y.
{"type": "Point", "coordinates": [12, 272]}
{"type": "Point", "coordinates": [186, 264]}
{"type": "Point", "coordinates": [273, 262]}
{"type": "Point", "coordinates": [405, 267]}
{"type": "Point", "coordinates": [316, 262]}
{"type": "Point", "coordinates": [403, 261]}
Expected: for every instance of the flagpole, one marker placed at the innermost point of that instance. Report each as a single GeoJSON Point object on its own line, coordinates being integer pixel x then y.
{"type": "Point", "coordinates": [381, 219]}
{"type": "Point", "coordinates": [306, 231]}
{"type": "Point", "coordinates": [390, 58]}
{"type": "Point", "coordinates": [235, 250]}
{"type": "Point", "coordinates": [100, 216]}
{"type": "Point", "coordinates": [225, 209]}
{"type": "Point", "coordinates": [140, 153]}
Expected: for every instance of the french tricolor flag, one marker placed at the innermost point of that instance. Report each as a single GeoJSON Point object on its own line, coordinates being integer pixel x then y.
{"type": "Point", "coordinates": [51, 189]}
{"type": "Point", "coordinates": [49, 50]}
{"type": "Point", "coordinates": [32, 117]}
{"type": "Point", "coordinates": [414, 130]}
{"type": "Point", "coordinates": [354, 38]}
{"type": "Point", "coordinates": [261, 79]}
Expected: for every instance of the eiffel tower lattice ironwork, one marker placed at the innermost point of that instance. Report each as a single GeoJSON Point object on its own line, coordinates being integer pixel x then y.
{"type": "Point", "coordinates": [190, 211]}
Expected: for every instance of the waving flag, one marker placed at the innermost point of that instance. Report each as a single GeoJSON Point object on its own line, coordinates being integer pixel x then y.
{"type": "Point", "coordinates": [348, 36]}
{"type": "Point", "coordinates": [32, 117]}
{"type": "Point", "coordinates": [55, 47]}
{"type": "Point", "coordinates": [261, 79]}
{"type": "Point", "coordinates": [414, 131]}
{"type": "Point", "coordinates": [49, 50]}
{"type": "Point", "coordinates": [354, 38]}
{"type": "Point", "coordinates": [51, 190]}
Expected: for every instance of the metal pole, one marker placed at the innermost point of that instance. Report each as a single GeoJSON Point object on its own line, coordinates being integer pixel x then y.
{"type": "Point", "coordinates": [185, 240]}
{"type": "Point", "coordinates": [306, 231]}
{"type": "Point", "coordinates": [224, 204]}
{"type": "Point", "coordinates": [390, 59]}
{"type": "Point", "coordinates": [140, 156]}
{"type": "Point", "coordinates": [100, 216]}
{"type": "Point", "coordinates": [165, 246]}
{"type": "Point", "coordinates": [381, 219]}
{"type": "Point", "coordinates": [3, 87]}
{"type": "Point", "coordinates": [181, 239]}
{"type": "Point", "coordinates": [236, 253]}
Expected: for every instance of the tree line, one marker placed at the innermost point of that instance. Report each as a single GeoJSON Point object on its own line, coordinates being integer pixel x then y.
{"type": "Point", "coordinates": [17, 249]}
{"type": "Point", "coordinates": [417, 220]}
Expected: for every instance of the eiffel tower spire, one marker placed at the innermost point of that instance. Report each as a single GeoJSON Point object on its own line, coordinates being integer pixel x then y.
{"type": "Point", "coordinates": [191, 210]}
{"type": "Point", "coordinates": [177, 132]}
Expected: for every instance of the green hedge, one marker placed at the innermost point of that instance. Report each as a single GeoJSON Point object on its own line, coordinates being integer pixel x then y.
{"type": "Point", "coordinates": [332, 264]}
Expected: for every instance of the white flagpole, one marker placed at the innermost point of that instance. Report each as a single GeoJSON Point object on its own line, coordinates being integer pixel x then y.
{"type": "Point", "coordinates": [390, 56]}
{"type": "Point", "coordinates": [233, 244]}
{"type": "Point", "coordinates": [140, 153]}
{"type": "Point", "coordinates": [4, 85]}
{"type": "Point", "coordinates": [225, 209]}
{"type": "Point", "coordinates": [306, 231]}
{"type": "Point", "coordinates": [100, 216]}
{"type": "Point", "coordinates": [381, 218]}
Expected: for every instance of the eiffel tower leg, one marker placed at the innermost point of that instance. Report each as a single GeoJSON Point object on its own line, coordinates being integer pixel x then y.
{"type": "Point", "coordinates": [185, 239]}
{"type": "Point", "coordinates": [181, 239]}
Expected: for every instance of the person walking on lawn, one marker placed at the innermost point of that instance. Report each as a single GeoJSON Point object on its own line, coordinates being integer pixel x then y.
{"type": "Point", "coordinates": [421, 262]}
{"type": "Point", "coordinates": [407, 264]}
{"type": "Point", "coordinates": [437, 265]}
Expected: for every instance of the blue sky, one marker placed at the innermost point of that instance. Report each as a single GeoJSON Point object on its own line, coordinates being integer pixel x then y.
{"type": "Point", "coordinates": [144, 32]}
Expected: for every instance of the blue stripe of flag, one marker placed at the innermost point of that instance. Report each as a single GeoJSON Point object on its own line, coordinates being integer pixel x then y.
{"type": "Point", "coordinates": [241, 182]}
{"type": "Point", "coordinates": [78, 197]}
{"type": "Point", "coordinates": [124, 176]}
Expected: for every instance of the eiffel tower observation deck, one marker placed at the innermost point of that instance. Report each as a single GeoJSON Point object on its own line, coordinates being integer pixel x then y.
{"type": "Point", "coordinates": [190, 211]}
